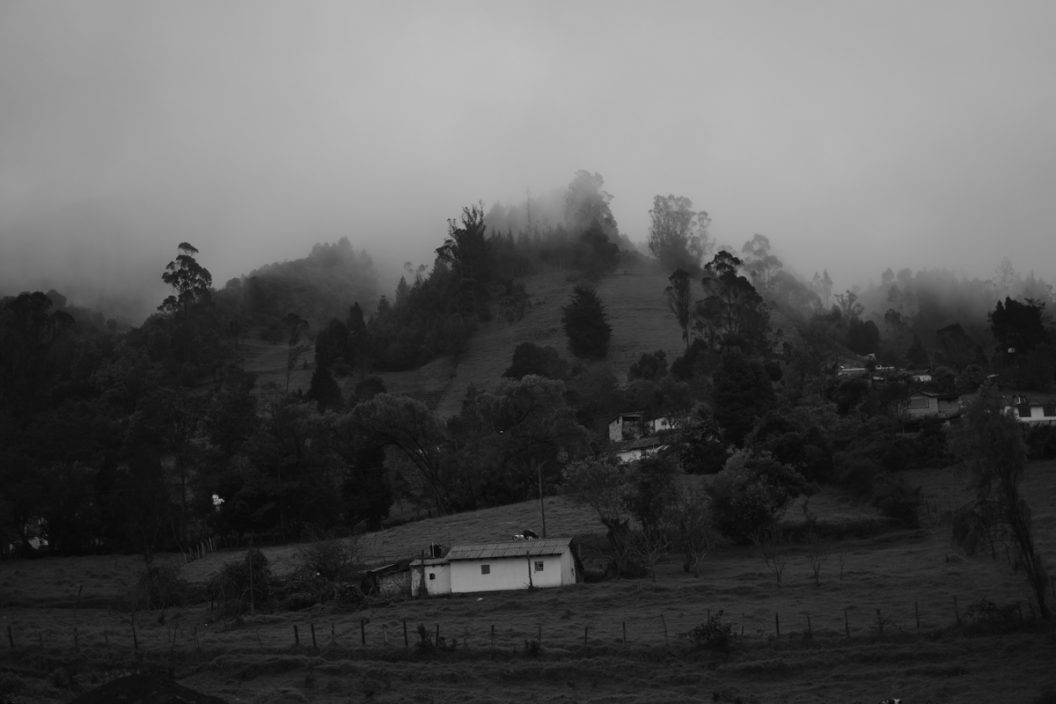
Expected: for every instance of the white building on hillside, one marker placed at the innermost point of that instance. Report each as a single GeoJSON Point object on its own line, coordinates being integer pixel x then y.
{"type": "Point", "coordinates": [1036, 409]}
{"type": "Point", "coordinates": [519, 564]}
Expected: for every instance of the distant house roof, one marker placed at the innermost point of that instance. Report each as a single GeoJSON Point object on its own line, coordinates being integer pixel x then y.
{"type": "Point", "coordinates": [626, 414]}
{"type": "Point", "coordinates": [644, 443]}
{"type": "Point", "coordinates": [1035, 398]}
{"type": "Point", "coordinates": [515, 548]}
{"type": "Point", "coordinates": [943, 395]}
{"type": "Point", "coordinates": [391, 568]}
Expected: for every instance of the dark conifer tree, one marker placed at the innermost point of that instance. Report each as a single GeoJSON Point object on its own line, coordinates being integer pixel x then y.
{"type": "Point", "coordinates": [586, 324]}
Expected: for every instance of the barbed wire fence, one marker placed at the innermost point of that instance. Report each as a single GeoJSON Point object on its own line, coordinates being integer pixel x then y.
{"type": "Point", "coordinates": [350, 635]}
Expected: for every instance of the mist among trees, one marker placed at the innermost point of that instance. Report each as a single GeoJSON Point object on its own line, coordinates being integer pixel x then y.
{"type": "Point", "coordinates": [148, 438]}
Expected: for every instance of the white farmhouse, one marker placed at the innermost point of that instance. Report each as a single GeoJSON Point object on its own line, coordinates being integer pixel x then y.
{"type": "Point", "coordinates": [1038, 409]}
{"type": "Point", "coordinates": [520, 564]}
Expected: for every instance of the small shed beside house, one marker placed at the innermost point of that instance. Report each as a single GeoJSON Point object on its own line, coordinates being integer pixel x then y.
{"type": "Point", "coordinates": [387, 580]}
{"type": "Point", "coordinates": [626, 426]}
{"type": "Point", "coordinates": [519, 564]}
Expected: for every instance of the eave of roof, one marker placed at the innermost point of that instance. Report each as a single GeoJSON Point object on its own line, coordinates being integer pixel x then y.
{"type": "Point", "coordinates": [516, 548]}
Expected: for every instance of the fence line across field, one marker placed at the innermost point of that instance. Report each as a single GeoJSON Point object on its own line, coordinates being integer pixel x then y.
{"type": "Point", "coordinates": [142, 632]}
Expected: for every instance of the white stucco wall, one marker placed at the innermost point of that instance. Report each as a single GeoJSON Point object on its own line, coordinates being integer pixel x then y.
{"type": "Point", "coordinates": [1037, 416]}
{"type": "Point", "coordinates": [436, 574]}
{"type": "Point", "coordinates": [512, 573]}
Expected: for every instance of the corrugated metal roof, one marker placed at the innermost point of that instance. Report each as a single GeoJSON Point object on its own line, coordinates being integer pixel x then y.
{"type": "Point", "coordinates": [515, 548]}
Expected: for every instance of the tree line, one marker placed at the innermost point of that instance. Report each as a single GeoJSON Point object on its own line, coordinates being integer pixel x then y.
{"type": "Point", "coordinates": [148, 438]}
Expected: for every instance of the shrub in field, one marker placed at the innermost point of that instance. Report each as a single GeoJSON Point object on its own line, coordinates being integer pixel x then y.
{"type": "Point", "coordinates": [856, 473]}
{"type": "Point", "coordinates": [332, 560]}
{"type": "Point", "coordinates": [304, 589]}
{"type": "Point", "coordinates": [159, 587]}
{"type": "Point", "coordinates": [750, 492]}
{"type": "Point", "coordinates": [713, 635]}
{"type": "Point", "coordinates": [985, 617]}
{"type": "Point", "coordinates": [329, 570]}
{"type": "Point", "coordinates": [242, 584]}
{"type": "Point", "coordinates": [896, 499]}
{"type": "Point", "coordinates": [425, 639]}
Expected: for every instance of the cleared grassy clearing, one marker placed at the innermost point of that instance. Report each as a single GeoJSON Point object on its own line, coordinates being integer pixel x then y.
{"type": "Point", "coordinates": [634, 301]}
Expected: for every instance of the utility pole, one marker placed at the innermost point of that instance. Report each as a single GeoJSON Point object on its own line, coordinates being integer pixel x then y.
{"type": "Point", "coordinates": [542, 507]}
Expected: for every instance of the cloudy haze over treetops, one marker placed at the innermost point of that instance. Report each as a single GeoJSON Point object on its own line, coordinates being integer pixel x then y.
{"type": "Point", "coordinates": [855, 135]}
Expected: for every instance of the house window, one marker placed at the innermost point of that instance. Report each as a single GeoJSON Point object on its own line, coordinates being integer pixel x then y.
{"type": "Point", "coordinates": [1024, 410]}
{"type": "Point", "coordinates": [432, 575]}
{"type": "Point", "coordinates": [538, 565]}
{"type": "Point", "coordinates": [1049, 409]}
{"type": "Point", "coordinates": [485, 569]}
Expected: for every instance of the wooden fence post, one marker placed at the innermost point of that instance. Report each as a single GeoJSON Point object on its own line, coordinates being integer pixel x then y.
{"type": "Point", "coordinates": [296, 635]}
{"type": "Point", "coordinates": [846, 624]}
{"type": "Point", "coordinates": [585, 630]}
{"type": "Point", "coordinates": [493, 636]}
{"type": "Point", "coordinates": [879, 623]}
{"type": "Point", "coordinates": [10, 637]}
{"type": "Point", "coordinates": [363, 631]}
{"type": "Point", "coordinates": [664, 621]}
{"type": "Point", "coordinates": [625, 634]}
{"type": "Point", "coordinates": [405, 643]}
{"type": "Point", "coordinates": [314, 645]}
{"type": "Point", "coordinates": [916, 613]}
{"type": "Point", "coordinates": [777, 625]}
{"type": "Point", "coordinates": [956, 610]}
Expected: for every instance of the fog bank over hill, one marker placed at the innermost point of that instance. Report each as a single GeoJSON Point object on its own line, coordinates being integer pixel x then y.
{"type": "Point", "coordinates": [855, 137]}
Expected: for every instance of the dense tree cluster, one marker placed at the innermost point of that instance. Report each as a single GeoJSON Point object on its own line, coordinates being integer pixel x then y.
{"type": "Point", "coordinates": [678, 235]}
{"type": "Point", "coordinates": [150, 438]}
{"type": "Point", "coordinates": [318, 288]}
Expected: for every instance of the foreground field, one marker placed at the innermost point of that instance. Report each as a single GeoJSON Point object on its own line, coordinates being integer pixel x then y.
{"type": "Point", "coordinates": [895, 614]}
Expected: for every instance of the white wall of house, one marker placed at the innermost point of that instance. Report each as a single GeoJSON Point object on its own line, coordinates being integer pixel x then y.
{"type": "Point", "coordinates": [663, 424]}
{"type": "Point", "coordinates": [501, 573]}
{"type": "Point", "coordinates": [626, 426]}
{"type": "Point", "coordinates": [434, 573]}
{"type": "Point", "coordinates": [1035, 414]}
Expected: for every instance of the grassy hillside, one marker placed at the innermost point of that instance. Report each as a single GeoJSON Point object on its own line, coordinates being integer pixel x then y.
{"type": "Point", "coordinates": [636, 307]}
{"type": "Point", "coordinates": [637, 312]}
{"type": "Point", "coordinates": [892, 616]}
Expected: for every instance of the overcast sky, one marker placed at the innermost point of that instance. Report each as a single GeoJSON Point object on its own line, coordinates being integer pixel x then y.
{"type": "Point", "coordinates": [855, 135]}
